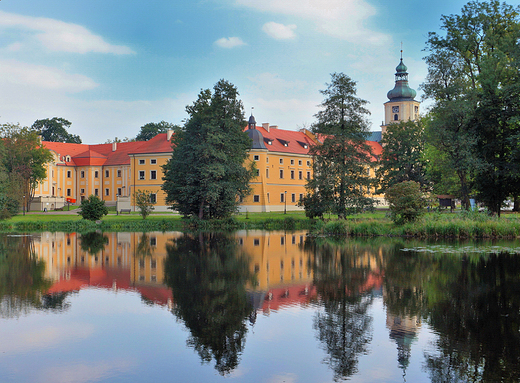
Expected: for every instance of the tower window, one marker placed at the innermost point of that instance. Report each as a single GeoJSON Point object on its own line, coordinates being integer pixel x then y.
{"type": "Point", "coordinates": [396, 117]}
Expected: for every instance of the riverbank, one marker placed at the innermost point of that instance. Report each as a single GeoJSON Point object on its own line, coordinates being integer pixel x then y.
{"type": "Point", "coordinates": [437, 225]}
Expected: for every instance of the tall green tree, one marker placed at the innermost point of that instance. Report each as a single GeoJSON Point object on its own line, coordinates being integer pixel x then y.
{"type": "Point", "coordinates": [474, 80]}
{"type": "Point", "coordinates": [341, 161]}
{"type": "Point", "coordinates": [24, 159]}
{"type": "Point", "coordinates": [402, 158]}
{"type": "Point", "coordinates": [55, 130]}
{"type": "Point", "coordinates": [208, 172]}
{"type": "Point", "coordinates": [150, 130]}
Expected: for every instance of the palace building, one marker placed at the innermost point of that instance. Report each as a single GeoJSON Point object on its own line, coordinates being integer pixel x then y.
{"type": "Point", "coordinates": [283, 163]}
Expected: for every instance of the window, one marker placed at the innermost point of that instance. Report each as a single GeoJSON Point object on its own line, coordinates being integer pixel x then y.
{"type": "Point", "coordinates": [267, 159]}
{"type": "Point", "coordinates": [153, 263]}
{"type": "Point", "coordinates": [118, 191]}
{"type": "Point", "coordinates": [268, 199]}
{"type": "Point", "coordinates": [141, 162]}
{"type": "Point", "coordinates": [301, 196]}
{"type": "Point", "coordinates": [300, 175]}
{"type": "Point", "coordinates": [107, 192]}
{"type": "Point", "coordinates": [292, 162]}
{"type": "Point", "coordinates": [256, 242]}
{"type": "Point", "coordinates": [293, 197]}
{"type": "Point", "coordinates": [267, 173]}
{"type": "Point", "coordinates": [141, 174]}
{"type": "Point", "coordinates": [119, 173]}
{"type": "Point", "coordinates": [257, 172]}
{"type": "Point", "coordinates": [300, 162]}
{"type": "Point", "coordinates": [82, 174]}
{"type": "Point", "coordinates": [281, 173]}
{"type": "Point", "coordinates": [96, 174]}
{"type": "Point", "coordinates": [82, 191]}
{"type": "Point", "coordinates": [256, 157]}
{"type": "Point", "coordinates": [281, 161]}
{"type": "Point", "coordinates": [69, 173]}
{"type": "Point", "coordinates": [256, 198]}
{"type": "Point", "coordinates": [153, 161]}
{"type": "Point", "coordinates": [308, 175]}
{"type": "Point", "coordinates": [107, 173]}
{"type": "Point", "coordinates": [96, 192]}
{"type": "Point", "coordinates": [282, 195]}
{"type": "Point", "coordinates": [153, 174]}
{"type": "Point", "coordinates": [282, 242]}
{"type": "Point", "coordinates": [308, 163]}
{"type": "Point", "coordinates": [396, 117]}
{"type": "Point", "coordinates": [153, 198]}
{"type": "Point", "coordinates": [292, 174]}
{"type": "Point", "coordinates": [153, 241]}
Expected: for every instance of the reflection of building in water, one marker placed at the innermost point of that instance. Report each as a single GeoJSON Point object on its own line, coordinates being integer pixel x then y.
{"type": "Point", "coordinates": [135, 261]}
{"type": "Point", "coordinates": [403, 330]}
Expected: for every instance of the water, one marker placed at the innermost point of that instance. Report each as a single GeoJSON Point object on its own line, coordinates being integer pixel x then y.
{"type": "Point", "coordinates": [256, 307]}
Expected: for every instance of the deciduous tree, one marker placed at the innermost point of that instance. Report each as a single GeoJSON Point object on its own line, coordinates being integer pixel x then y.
{"type": "Point", "coordinates": [150, 130]}
{"type": "Point", "coordinates": [403, 157]}
{"type": "Point", "coordinates": [55, 130]}
{"type": "Point", "coordinates": [208, 173]}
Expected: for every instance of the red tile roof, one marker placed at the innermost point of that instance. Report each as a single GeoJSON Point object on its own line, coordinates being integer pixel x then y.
{"type": "Point", "coordinates": [158, 144]}
{"type": "Point", "coordinates": [285, 141]}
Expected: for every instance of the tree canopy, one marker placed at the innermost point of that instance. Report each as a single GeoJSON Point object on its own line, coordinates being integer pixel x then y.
{"type": "Point", "coordinates": [24, 160]}
{"type": "Point", "coordinates": [473, 79]}
{"type": "Point", "coordinates": [55, 130]}
{"type": "Point", "coordinates": [402, 158]}
{"type": "Point", "coordinates": [340, 179]}
{"type": "Point", "coordinates": [150, 130]}
{"type": "Point", "coordinates": [207, 173]}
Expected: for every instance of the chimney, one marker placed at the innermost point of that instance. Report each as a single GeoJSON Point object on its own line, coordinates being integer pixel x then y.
{"type": "Point", "coordinates": [114, 146]}
{"type": "Point", "coordinates": [273, 127]}
{"type": "Point", "coordinates": [265, 125]}
{"type": "Point", "coordinates": [169, 134]}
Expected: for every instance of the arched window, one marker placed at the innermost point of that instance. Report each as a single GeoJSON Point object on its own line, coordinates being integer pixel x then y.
{"type": "Point", "coordinates": [396, 117]}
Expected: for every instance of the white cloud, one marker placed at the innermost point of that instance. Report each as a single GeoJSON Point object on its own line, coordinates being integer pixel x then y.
{"type": "Point", "coordinates": [29, 75]}
{"type": "Point", "coordinates": [279, 31]}
{"type": "Point", "coordinates": [59, 36]}
{"type": "Point", "coordinates": [229, 42]}
{"type": "Point", "coordinates": [338, 18]}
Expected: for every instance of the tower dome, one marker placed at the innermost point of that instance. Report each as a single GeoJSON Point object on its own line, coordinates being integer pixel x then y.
{"type": "Point", "coordinates": [401, 91]}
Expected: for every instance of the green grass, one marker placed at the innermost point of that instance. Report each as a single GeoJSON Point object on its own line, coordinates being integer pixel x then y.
{"type": "Point", "coordinates": [375, 224]}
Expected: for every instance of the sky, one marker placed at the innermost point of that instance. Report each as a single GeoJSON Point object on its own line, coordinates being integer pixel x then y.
{"type": "Point", "coordinates": [110, 67]}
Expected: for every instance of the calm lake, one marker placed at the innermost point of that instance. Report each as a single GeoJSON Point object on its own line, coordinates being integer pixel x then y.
{"type": "Point", "coordinates": [256, 307]}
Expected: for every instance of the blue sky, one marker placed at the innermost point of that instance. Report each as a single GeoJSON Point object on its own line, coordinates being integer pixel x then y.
{"type": "Point", "coordinates": [110, 67]}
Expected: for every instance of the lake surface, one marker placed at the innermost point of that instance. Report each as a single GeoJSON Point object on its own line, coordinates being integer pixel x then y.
{"type": "Point", "coordinates": [256, 307]}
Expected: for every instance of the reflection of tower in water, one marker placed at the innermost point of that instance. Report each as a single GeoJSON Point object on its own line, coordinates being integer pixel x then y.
{"type": "Point", "coordinates": [403, 330]}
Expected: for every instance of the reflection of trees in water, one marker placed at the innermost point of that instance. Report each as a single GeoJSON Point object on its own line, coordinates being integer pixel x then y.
{"type": "Point", "coordinates": [208, 275]}
{"type": "Point", "coordinates": [21, 277]}
{"type": "Point", "coordinates": [478, 320]}
{"type": "Point", "coordinates": [144, 247]}
{"type": "Point", "coordinates": [344, 327]}
{"type": "Point", "coordinates": [93, 242]}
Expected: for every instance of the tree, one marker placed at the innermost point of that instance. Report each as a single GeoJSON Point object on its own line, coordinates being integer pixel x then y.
{"type": "Point", "coordinates": [143, 201]}
{"type": "Point", "coordinates": [24, 160]}
{"type": "Point", "coordinates": [406, 201]}
{"type": "Point", "coordinates": [474, 80]}
{"type": "Point", "coordinates": [207, 173]}
{"type": "Point", "coordinates": [340, 177]}
{"type": "Point", "coordinates": [402, 158]}
{"type": "Point", "coordinates": [55, 130]}
{"type": "Point", "coordinates": [93, 242]}
{"type": "Point", "coordinates": [93, 208]}
{"type": "Point", "coordinates": [150, 130]}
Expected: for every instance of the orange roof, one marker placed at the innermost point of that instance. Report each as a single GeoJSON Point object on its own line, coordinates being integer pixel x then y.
{"type": "Point", "coordinates": [285, 141]}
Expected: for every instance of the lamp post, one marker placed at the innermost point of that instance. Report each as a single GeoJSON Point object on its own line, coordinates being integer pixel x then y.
{"type": "Point", "coordinates": [285, 201]}
{"type": "Point", "coordinates": [24, 204]}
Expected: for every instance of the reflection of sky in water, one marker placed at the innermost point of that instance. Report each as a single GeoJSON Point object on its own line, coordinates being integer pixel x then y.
{"type": "Point", "coordinates": [113, 336]}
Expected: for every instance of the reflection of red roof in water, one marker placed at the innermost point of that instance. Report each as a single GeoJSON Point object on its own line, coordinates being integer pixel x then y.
{"type": "Point", "coordinates": [301, 294]}
{"type": "Point", "coordinates": [81, 278]}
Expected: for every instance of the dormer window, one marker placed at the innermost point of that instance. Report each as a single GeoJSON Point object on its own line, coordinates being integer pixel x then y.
{"type": "Point", "coordinates": [283, 142]}
{"type": "Point", "coordinates": [303, 145]}
{"type": "Point", "coordinates": [268, 141]}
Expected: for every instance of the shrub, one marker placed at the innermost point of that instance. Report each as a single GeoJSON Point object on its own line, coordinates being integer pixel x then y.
{"type": "Point", "coordinates": [8, 207]}
{"type": "Point", "coordinates": [93, 208]}
{"type": "Point", "coordinates": [406, 202]}
{"type": "Point", "coordinates": [143, 201]}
